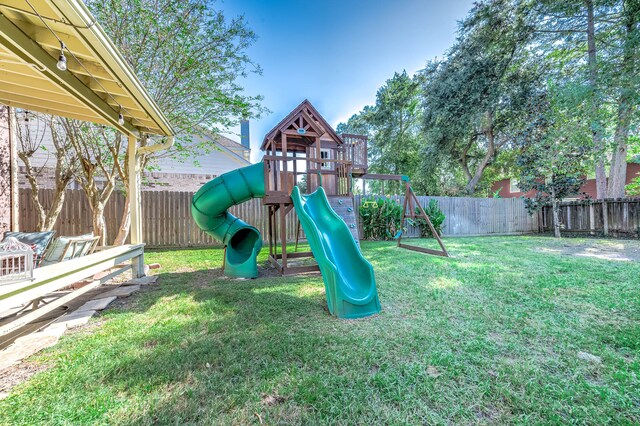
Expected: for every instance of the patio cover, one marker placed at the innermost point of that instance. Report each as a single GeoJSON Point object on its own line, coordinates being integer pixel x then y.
{"type": "Point", "coordinates": [96, 86]}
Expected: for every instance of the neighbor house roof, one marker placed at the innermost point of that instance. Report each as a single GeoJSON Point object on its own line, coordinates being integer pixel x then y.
{"type": "Point", "coordinates": [230, 143]}
{"type": "Point", "coordinates": [98, 84]}
{"type": "Point", "coordinates": [304, 106]}
{"type": "Point", "coordinates": [227, 145]}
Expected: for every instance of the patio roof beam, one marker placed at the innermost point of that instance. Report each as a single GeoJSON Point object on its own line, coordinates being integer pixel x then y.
{"type": "Point", "coordinates": [57, 109]}
{"type": "Point", "coordinates": [28, 50]}
{"type": "Point", "coordinates": [46, 39]}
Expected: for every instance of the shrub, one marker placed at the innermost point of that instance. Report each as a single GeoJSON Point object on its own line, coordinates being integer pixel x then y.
{"type": "Point", "coordinates": [633, 188]}
{"type": "Point", "coordinates": [435, 215]}
{"type": "Point", "coordinates": [381, 218]}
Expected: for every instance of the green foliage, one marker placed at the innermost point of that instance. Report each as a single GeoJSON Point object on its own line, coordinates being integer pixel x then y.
{"type": "Point", "coordinates": [190, 57]}
{"type": "Point", "coordinates": [633, 188]}
{"type": "Point", "coordinates": [475, 97]}
{"type": "Point", "coordinates": [381, 218]}
{"type": "Point", "coordinates": [555, 148]}
{"type": "Point", "coordinates": [393, 126]}
{"type": "Point", "coordinates": [436, 216]}
{"type": "Point", "coordinates": [474, 103]}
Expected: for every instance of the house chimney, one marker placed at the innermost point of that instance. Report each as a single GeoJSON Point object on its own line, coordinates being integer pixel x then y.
{"type": "Point", "coordinates": [244, 134]}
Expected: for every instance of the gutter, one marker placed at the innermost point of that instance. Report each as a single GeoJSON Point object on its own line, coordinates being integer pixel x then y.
{"type": "Point", "coordinates": [157, 147]}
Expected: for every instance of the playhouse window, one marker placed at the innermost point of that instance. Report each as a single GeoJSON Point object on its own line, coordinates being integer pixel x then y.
{"type": "Point", "coordinates": [325, 154]}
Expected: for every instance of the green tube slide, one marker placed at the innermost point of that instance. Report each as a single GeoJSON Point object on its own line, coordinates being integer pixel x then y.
{"type": "Point", "coordinates": [209, 210]}
{"type": "Point", "coordinates": [348, 278]}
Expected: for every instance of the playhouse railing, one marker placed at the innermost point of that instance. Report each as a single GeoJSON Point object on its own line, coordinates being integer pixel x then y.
{"type": "Point", "coordinates": [355, 148]}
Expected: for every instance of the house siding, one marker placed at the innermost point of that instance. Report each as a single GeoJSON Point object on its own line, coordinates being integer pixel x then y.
{"type": "Point", "coordinates": [171, 172]}
{"type": "Point", "coordinates": [587, 190]}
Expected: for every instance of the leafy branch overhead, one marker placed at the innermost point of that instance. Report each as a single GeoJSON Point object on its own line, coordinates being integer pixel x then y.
{"type": "Point", "coordinates": [189, 56]}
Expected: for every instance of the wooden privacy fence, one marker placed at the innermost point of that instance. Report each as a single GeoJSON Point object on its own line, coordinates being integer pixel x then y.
{"type": "Point", "coordinates": [167, 222]}
{"type": "Point", "coordinates": [586, 217]}
{"type": "Point", "coordinates": [466, 216]}
{"type": "Point", "coordinates": [166, 217]}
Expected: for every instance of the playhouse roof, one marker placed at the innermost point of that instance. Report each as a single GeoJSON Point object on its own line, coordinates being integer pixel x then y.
{"type": "Point", "coordinates": [306, 109]}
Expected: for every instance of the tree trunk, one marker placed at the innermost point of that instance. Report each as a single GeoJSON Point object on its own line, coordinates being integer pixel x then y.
{"type": "Point", "coordinates": [464, 160]}
{"type": "Point", "coordinates": [125, 223]}
{"type": "Point", "coordinates": [97, 219]}
{"type": "Point", "coordinates": [618, 172]}
{"type": "Point", "coordinates": [556, 215]}
{"type": "Point", "coordinates": [626, 106]}
{"type": "Point", "coordinates": [54, 210]}
{"type": "Point", "coordinates": [596, 126]}
{"type": "Point", "coordinates": [63, 179]}
{"type": "Point", "coordinates": [488, 157]}
{"type": "Point", "coordinates": [35, 190]}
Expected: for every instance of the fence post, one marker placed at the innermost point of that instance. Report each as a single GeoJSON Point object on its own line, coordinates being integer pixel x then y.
{"type": "Point", "coordinates": [605, 217]}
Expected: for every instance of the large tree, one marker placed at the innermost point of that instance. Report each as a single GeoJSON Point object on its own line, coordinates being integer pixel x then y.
{"type": "Point", "coordinates": [393, 128]}
{"type": "Point", "coordinates": [593, 43]}
{"type": "Point", "coordinates": [627, 82]}
{"type": "Point", "coordinates": [475, 98]}
{"type": "Point", "coordinates": [191, 58]}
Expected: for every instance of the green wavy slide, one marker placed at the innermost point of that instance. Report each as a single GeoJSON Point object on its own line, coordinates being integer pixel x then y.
{"type": "Point", "coordinates": [348, 278]}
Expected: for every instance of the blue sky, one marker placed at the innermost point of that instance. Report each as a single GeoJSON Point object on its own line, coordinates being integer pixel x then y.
{"type": "Point", "coordinates": [338, 53]}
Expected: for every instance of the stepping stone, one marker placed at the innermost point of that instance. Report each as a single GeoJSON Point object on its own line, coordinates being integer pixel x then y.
{"type": "Point", "coordinates": [149, 279]}
{"type": "Point", "coordinates": [26, 346]}
{"type": "Point", "coordinates": [122, 291]}
{"type": "Point", "coordinates": [56, 328]}
{"type": "Point", "coordinates": [75, 319]}
{"type": "Point", "coordinates": [96, 304]}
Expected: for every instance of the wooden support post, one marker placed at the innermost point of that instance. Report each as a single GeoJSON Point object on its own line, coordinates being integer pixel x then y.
{"type": "Point", "coordinates": [605, 218]}
{"type": "Point", "coordinates": [404, 211]}
{"type": "Point", "coordinates": [137, 266]}
{"type": "Point", "coordinates": [592, 218]}
{"type": "Point", "coordinates": [13, 178]}
{"type": "Point", "coordinates": [283, 235]}
{"type": "Point", "coordinates": [134, 191]}
{"type": "Point", "coordinates": [285, 178]}
{"type": "Point", "coordinates": [270, 229]}
{"type": "Point", "coordinates": [295, 169]}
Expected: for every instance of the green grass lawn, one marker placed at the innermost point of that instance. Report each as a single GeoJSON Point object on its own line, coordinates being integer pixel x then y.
{"type": "Point", "coordinates": [491, 335]}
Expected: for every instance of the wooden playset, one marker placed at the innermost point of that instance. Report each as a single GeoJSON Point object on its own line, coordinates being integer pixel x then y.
{"type": "Point", "coordinates": [303, 150]}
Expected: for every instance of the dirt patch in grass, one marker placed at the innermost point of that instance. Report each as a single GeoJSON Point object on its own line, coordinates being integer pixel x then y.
{"type": "Point", "coordinates": [598, 249]}
{"type": "Point", "coordinates": [271, 400]}
{"type": "Point", "coordinates": [18, 373]}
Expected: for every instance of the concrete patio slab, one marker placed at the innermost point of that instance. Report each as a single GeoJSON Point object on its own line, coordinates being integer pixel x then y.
{"type": "Point", "coordinates": [96, 304]}
{"type": "Point", "coordinates": [122, 291]}
{"type": "Point", "coordinates": [149, 279]}
{"type": "Point", "coordinates": [75, 319]}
